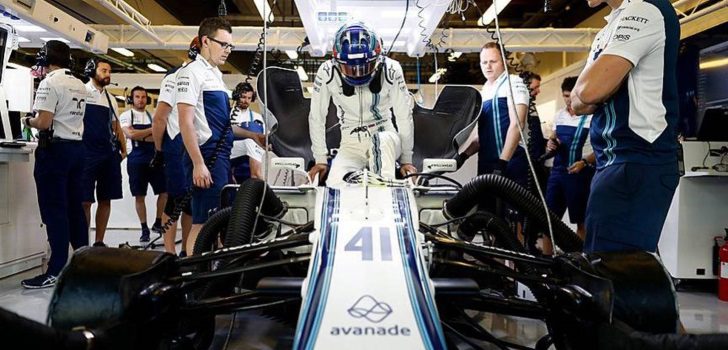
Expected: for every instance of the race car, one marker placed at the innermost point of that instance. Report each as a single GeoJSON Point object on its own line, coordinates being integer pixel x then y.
{"type": "Point", "coordinates": [376, 263]}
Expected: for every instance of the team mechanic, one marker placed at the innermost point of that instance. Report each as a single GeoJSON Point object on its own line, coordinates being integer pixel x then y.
{"type": "Point", "coordinates": [204, 118]}
{"type": "Point", "coordinates": [169, 152]}
{"type": "Point", "coordinates": [365, 87]}
{"type": "Point", "coordinates": [59, 158]}
{"type": "Point", "coordinates": [630, 85]}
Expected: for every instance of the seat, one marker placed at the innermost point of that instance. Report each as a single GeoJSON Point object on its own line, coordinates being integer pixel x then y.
{"type": "Point", "coordinates": [447, 125]}
{"type": "Point", "coordinates": [285, 101]}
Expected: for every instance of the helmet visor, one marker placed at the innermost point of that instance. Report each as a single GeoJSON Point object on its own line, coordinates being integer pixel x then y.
{"type": "Point", "coordinates": [358, 70]}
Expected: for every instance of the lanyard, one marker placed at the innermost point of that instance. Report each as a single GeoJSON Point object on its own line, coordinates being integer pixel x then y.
{"type": "Point", "coordinates": [575, 141]}
{"type": "Point", "coordinates": [496, 116]}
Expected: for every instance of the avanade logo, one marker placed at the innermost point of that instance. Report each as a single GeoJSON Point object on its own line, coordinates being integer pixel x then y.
{"type": "Point", "coordinates": [374, 311]}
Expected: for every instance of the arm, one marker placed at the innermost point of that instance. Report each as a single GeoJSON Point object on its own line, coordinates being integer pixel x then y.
{"type": "Point", "coordinates": [188, 94]}
{"type": "Point", "coordinates": [241, 134]}
{"type": "Point", "coordinates": [317, 119]}
{"type": "Point", "coordinates": [137, 135]}
{"type": "Point", "coordinates": [598, 82]}
{"type": "Point", "coordinates": [579, 165]}
{"type": "Point", "coordinates": [159, 124]}
{"type": "Point", "coordinates": [319, 109]}
{"type": "Point", "coordinates": [472, 143]}
{"type": "Point", "coordinates": [632, 40]}
{"type": "Point", "coordinates": [189, 136]}
{"type": "Point", "coordinates": [521, 99]}
{"type": "Point", "coordinates": [402, 106]}
{"type": "Point", "coordinates": [42, 120]}
{"type": "Point", "coordinates": [45, 102]}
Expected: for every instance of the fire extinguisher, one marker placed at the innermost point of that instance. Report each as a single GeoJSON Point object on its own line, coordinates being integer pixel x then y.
{"type": "Point", "coordinates": [723, 278]}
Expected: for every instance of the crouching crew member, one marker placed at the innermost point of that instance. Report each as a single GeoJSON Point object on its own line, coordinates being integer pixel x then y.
{"type": "Point", "coordinates": [249, 130]}
{"type": "Point", "coordinates": [137, 125]}
{"type": "Point", "coordinates": [105, 146]}
{"type": "Point", "coordinates": [59, 105]}
{"type": "Point", "coordinates": [204, 119]}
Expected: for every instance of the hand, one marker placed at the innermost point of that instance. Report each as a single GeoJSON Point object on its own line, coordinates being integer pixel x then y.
{"type": "Point", "coordinates": [552, 145]}
{"type": "Point", "coordinates": [500, 168]}
{"type": "Point", "coordinates": [407, 168]}
{"type": "Point", "coordinates": [318, 169]}
{"type": "Point", "coordinates": [577, 167]}
{"type": "Point", "coordinates": [157, 160]}
{"type": "Point", "coordinates": [260, 140]}
{"type": "Point", "coordinates": [201, 176]}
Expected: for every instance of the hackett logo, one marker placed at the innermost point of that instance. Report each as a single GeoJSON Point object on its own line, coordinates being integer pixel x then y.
{"type": "Point", "coordinates": [370, 309]}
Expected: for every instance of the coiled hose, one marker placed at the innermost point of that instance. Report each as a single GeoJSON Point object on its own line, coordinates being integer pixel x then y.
{"type": "Point", "coordinates": [207, 238]}
{"type": "Point", "coordinates": [245, 210]}
{"type": "Point", "coordinates": [519, 197]}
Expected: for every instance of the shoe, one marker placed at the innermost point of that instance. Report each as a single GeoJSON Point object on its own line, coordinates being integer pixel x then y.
{"type": "Point", "coordinates": [41, 281]}
{"type": "Point", "coordinates": [145, 236]}
{"type": "Point", "coordinates": [158, 228]}
{"type": "Point", "coordinates": [182, 254]}
{"type": "Point", "coordinates": [99, 244]}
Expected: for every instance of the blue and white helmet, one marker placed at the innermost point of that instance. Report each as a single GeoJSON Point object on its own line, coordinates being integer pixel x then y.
{"type": "Point", "coordinates": [357, 51]}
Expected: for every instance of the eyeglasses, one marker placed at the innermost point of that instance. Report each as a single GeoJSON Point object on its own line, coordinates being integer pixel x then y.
{"type": "Point", "coordinates": [224, 45]}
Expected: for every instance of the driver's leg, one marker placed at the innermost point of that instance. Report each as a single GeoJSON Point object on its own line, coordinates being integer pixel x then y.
{"type": "Point", "coordinates": [384, 152]}
{"type": "Point", "coordinates": [350, 158]}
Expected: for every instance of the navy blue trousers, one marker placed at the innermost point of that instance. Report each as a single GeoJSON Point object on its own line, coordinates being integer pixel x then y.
{"type": "Point", "coordinates": [58, 171]}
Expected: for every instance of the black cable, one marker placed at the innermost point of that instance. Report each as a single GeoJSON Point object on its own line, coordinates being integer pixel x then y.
{"type": "Point", "coordinates": [406, 11]}
{"type": "Point", "coordinates": [433, 175]}
{"type": "Point", "coordinates": [258, 54]}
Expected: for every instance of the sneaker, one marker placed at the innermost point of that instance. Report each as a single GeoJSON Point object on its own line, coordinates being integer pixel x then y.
{"type": "Point", "coordinates": [145, 236]}
{"type": "Point", "coordinates": [99, 244]}
{"type": "Point", "coordinates": [182, 254]}
{"type": "Point", "coordinates": [41, 281]}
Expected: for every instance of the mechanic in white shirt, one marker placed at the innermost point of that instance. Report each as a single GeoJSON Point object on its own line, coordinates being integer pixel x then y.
{"type": "Point", "coordinates": [365, 86]}
{"type": "Point", "coordinates": [59, 158]}
{"type": "Point", "coordinates": [630, 85]}
{"type": "Point", "coordinates": [249, 130]}
{"type": "Point", "coordinates": [169, 153]}
{"type": "Point", "coordinates": [204, 118]}
{"type": "Point", "coordinates": [137, 126]}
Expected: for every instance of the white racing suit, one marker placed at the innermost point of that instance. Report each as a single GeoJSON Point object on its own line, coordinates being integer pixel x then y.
{"type": "Point", "coordinates": [369, 138]}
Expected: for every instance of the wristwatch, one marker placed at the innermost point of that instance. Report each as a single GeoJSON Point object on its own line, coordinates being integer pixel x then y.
{"type": "Point", "coordinates": [26, 122]}
{"type": "Point", "coordinates": [586, 162]}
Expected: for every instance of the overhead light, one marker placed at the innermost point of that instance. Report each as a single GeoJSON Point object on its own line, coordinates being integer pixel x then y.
{"type": "Point", "coordinates": [29, 28]}
{"type": "Point", "coordinates": [122, 51]}
{"type": "Point", "coordinates": [491, 12]}
{"type": "Point", "coordinates": [264, 9]}
{"type": "Point", "coordinates": [435, 77]}
{"type": "Point", "coordinates": [301, 73]}
{"type": "Point", "coordinates": [157, 68]}
{"type": "Point", "coordinates": [292, 54]}
{"type": "Point", "coordinates": [714, 63]}
{"type": "Point", "coordinates": [59, 39]}
{"type": "Point", "coordinates": [119, 98]}
{"type": "Point", "coordinates": [23, 39]}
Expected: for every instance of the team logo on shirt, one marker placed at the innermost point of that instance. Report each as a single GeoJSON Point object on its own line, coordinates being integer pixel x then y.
{"type": "Point", "coordinates": [79, 102]}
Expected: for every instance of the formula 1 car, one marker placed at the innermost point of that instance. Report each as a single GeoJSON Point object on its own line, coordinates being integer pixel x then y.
{"type": "Point", "coordinates": [378, 263]}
